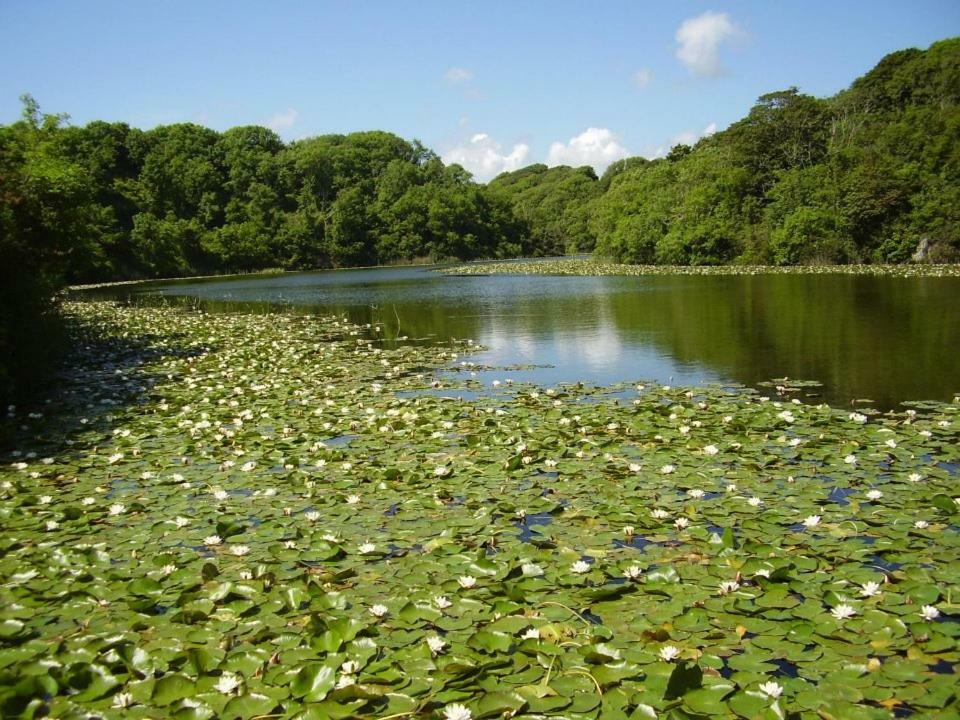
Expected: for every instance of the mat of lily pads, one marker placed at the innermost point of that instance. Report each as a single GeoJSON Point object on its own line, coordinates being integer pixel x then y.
{"type": "Point", "coordinates": [271, 516]}
{"type": "Point", "coordinates": [579, 266]}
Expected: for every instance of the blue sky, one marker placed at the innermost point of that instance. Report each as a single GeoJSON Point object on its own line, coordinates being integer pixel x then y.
{"type": "Point", "coordinates": [493, 85]}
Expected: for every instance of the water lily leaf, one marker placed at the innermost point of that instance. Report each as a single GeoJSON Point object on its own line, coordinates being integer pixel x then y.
{"type": "Point", "coordinates": [171, 688]}
{"type": "Point", "coordinates": [498, 703]}
{"type": "Point", "coordinates": [490, 641]}
{"type": "Point", "coordinates": [95, 681]}
{"type": "Point", "coordinates": [247, 706]}
{"type": "Point", "coordinates": [313, 682]}
{"type": "Point", "coordinates": [684, 678]}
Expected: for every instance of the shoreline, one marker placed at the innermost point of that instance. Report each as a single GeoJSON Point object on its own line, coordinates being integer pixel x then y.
{"type": "Point", "coordinates": [573, 265]}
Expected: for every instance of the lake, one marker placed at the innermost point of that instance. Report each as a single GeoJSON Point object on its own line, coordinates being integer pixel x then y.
{"type": "Point", "coordinates": [886, 339]}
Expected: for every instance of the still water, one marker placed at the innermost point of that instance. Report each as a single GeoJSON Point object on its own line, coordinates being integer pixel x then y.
{"type": "Point", "coordinates": [885, 339]}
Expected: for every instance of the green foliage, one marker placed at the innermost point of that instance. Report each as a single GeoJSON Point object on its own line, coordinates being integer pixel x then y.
{"type": "Point", "coordinates": [552, 202]}
{"type": "Point", "coordinates": [870, 175]}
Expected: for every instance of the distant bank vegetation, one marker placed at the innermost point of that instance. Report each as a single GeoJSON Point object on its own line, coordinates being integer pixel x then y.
{"type": "Point", "coordinates": [867, 176]}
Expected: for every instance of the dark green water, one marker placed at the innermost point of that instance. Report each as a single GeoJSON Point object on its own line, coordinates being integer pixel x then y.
{"type": "Point", "coordinates": [883, 338]}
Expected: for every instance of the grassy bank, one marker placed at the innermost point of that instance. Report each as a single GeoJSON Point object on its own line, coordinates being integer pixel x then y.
{"type": "Point", "coordinates": [269, 516]}
{"type": "Point", "coordinates": [600, 267]}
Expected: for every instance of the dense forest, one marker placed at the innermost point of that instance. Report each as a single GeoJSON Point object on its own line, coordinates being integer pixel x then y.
{"type": "Point", "coordinates": [869, 175]}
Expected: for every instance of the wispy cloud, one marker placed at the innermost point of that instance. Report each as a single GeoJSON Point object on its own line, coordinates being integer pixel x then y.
{"type": "Point", "coordinates": [700, 39]}
{"type": "Point", "coordinates": [597, 147]}
{"type": "Point", "coordinates": [283, 120]}
{"type": "Point", "coordinates": [642, 77]}
{"type": "Point", "coordinates": [457, 75]}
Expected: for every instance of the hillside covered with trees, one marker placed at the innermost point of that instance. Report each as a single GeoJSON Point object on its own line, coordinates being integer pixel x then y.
{"type": "Point", "coordinates": [869, 175]}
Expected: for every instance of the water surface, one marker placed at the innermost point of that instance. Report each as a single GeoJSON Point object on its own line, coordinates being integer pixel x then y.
{"type": "Point", "coordinates": [886, 339]}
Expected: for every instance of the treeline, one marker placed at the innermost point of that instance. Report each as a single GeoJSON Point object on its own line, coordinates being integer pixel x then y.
{"type": "Point", "coordinates": [869, 175]}
{"type": "Point", "coordinates": [109, 202]}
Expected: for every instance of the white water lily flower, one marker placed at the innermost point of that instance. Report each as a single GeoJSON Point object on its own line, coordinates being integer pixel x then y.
{"type": "Point", "coordinates": [180, 521]}
{"type": "Point", "coordinates": [239, 550]}
{"type": "Point", "coordinates": [221, 494]}
{"type": "Point", "coordinates": [531, 570]}
{"type": "Point", "coordinates": [811, 521]}
{"type": "Point", "coordinates": [634, 572]}
{"type": "Point", "coordinates": [667, 469]}
{"type": "Point", "coordinates": [442, 602]}
{"type": "Point", "coordinates": [891, 443]}
{"type": "Point", "coordinates": [379, 611]}
{"type": "Point", "coordinates": [628, 530]}
{"type": "Point", "coordinates": [850, 459]}
{"type": "Point", "coordinates": [635, 467]}
{"type": "Point", "coordinates": [874, 495]}
{"type": "Point", "coordinates": [530, 634]}
{"type": "Point", "coordinates": [771, 689]}
{"type": "Point", "coordinates": [441, 471]}
{"type": "Point", "coordinates": [668, 653]}
{"type": "Point", "coordinates": [312, 515]}
{"type": "Point", "coordinates": [755, 501]}
{"type": "Point", "coordinates": [456, 711]}
{"type": "Point", "coordinates": [353, 499]}
{"type": "Point", "coordinates": [929, 612]}
{"type": "Point", "coordinates": [681, 523]}
{"type": "Point", "coordinates": [659, 514]}
{"type": "Point", "coordinates": [467, 581]}
{"type": "Point", "coordinates": [870, 589]}
{"type": "Point", "coordinates": [212, 540]}
{"type": "Point", "coordinates": [366, 548]}
{"type": "Point", "coordinates": [729, 586]}
{"type": "Point", "coordinates": [843, 611]}
{"type": "Point", "coordinates": [122, 700]}
{"type": "Point", "coordinates": [88, 501]}
{"type": "Point", "coordinates": [350, 667]}
{"type": "Point", "coordinates": [46, 499]}
{"type": "Point", "coordinates": [921, 524]}
{"type": "Point", "coordinates": [227, 683]}
{"type": "Point", "coordinates": [857, 417]}
{"type": "Point", "coordinates": [711, 449]}
{"type": "Point", "coordinates": [915, 477]}
{"type": "Point", "coordinates": [580, 567]}
{"type": "Point", "coordinates": [695, 493]}
{"type": "Point", "coordinates": [115, 458]}
{"type": "Point", "coordinates": [436, 644]}
{"type": "Point", "coordinates": [117, 508]}
{"type": "Point", "coordinates": [52, 525]}
{"type": "Point", "coordinates": [246, 575]}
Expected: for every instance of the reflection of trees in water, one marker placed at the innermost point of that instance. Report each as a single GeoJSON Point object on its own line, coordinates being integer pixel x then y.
{"type": "Point", "coordinates": [884, 338]}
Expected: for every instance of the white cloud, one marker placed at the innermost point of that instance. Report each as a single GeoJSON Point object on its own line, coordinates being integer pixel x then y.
{"type": "Point", "coordinates": [690, 137]}
{"type": "Point", "coordinates": [283, 121]}
{"type": "Point", "coordinates": [642, 77]}
{"type": "Point", "coordinates": [700, 39]}
{"type": "Point", "coordinates": [482, 156]}
{"type": "Point", "coordinates": [457, 75]}
{"type": "Point", "coordinates": [594, 146]}
{"type": "Point", "coordinates": [687, 137]}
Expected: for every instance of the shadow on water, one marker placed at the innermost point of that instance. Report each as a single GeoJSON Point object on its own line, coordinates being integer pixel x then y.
{"type": "Point", "coordinates": [98, 379]}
